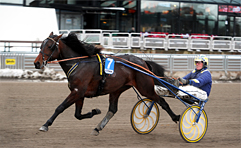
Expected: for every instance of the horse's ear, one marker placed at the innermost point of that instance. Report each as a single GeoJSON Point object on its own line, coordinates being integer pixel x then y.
{"type": "Point", "coordinates": [51, 33]}
{"type": "Point", "coordinates": [58, 37]}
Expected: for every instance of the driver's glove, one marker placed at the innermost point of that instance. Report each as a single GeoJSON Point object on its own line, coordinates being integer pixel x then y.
{"type": "Point", "coordinates": [183, 81]}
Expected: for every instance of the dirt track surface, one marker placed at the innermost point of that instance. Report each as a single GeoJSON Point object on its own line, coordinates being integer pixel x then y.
{"type": "Point", "coordinates": [26, 106]}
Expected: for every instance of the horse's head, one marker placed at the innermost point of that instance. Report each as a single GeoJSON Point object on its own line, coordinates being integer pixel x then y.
{"type": "Point", "coordinates": [48, 51]}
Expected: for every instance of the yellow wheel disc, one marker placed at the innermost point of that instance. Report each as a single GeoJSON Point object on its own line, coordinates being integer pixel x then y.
{"type": "Point", "coordinates": [140, 123]}
{"type": "Point", "coordinates": [190, 130]}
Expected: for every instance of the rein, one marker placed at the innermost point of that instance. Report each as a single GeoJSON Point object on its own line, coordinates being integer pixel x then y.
{"type": "Point", "coordinates": [57, 61]}
{"type": "Point", "coordinates": [69, 59]}
{"type": "Point", "coordinates": [142, 68]}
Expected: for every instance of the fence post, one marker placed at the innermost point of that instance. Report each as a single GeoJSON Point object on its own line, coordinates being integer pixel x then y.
{"type": "Point", "coordinates": [171, 63]}
{"type": "Point", "coordinates": [129, 39]}
{"type": "Point", "coordinates": [32, 47]}
{"type": "Point", "coordinates": [189, 43]}
{"type": "Point", "coordinates": [166, 43]}
{"type": "Point", "coordinates": [225, 65]}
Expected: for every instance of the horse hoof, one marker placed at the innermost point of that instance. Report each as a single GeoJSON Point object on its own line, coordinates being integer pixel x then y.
{"type": "Point", "coordinates": [96, 111]}
{"type": "Point", "coordinates": [176, 119]}
{"type": "Point", "coordinates": [43, 129]}
{"type": "Point", "coordinates": [95, 133]}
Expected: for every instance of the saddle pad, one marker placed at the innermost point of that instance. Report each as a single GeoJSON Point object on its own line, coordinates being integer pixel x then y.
{"type": "Point", "coordinates": [109, 66]}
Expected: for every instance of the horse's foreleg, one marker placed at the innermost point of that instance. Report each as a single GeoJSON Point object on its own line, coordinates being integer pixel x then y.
{"type": "Point", "coordinates": [106, 119]}
{"type": "Point", "coordinates": [66, 103]}
{"type": "Point", "coordinates": [113, 102]}
{"type": "Point", "coordinates": [78, 109]}
{"type": "Point", "coordinates": [103, 123]}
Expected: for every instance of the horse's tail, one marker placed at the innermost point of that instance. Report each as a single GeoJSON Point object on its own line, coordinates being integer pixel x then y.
{"type": "Point", "coordinates": [159, 70]}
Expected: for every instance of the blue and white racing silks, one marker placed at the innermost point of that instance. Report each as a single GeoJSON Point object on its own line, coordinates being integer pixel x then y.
{"type": "Point", "coordinates": [201, 79]}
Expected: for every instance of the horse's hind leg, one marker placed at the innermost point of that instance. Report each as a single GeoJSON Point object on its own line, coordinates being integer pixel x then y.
{"type": "Point", "coordinates": [78, 109]}
{"type": "Point", "coordinates": [113, 107]}
{"type": "Point", "coordinates": [166, 107]}
{"type": "Point", "coordinates": [147, 90]}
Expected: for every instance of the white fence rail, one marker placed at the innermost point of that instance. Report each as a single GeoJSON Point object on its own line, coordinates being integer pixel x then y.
{"type": "Point", "coordinates": [112, 39]}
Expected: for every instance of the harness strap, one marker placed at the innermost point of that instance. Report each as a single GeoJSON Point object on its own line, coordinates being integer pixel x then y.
{"type": "Point", "coordinates": [101, 64]}
{"type": "Point", "coordinates": [101, 59]}
{"type": "Point", "coordinates": [51, 39]}
{"type": "Point", "coordinates": [72, 69]}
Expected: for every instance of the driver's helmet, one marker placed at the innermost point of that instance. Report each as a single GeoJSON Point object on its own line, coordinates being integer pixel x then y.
{"type": "Point", "coordinates": [202, 58]}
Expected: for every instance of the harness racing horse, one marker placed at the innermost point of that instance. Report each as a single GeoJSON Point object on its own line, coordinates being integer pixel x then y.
{"type": "Point", "coordinates": [84, 77]}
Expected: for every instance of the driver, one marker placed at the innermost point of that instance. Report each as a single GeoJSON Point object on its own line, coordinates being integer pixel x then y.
{"type": "Point", "coordinates": [200, 77]}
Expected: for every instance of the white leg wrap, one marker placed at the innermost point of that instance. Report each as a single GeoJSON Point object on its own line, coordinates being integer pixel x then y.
{"type": "Point", "coordinates": [106, 119]}
{"type": "Point", "coordinates": [161, 90]}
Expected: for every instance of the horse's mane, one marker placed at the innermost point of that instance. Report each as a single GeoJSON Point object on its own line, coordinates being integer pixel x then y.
{"type": "Point", "coordinates": [83, 48]}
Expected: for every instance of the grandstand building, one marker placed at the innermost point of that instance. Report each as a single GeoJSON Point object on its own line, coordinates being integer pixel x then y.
{"type": "Point", "coordinates": [202, 17]}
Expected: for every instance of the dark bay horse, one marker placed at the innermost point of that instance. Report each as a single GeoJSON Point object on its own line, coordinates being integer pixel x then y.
{"type": "Point", "coordinates": [84, 78]}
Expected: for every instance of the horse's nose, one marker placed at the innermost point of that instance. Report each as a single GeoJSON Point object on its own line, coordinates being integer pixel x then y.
{"type": "Point", "coordinates": [37, 65]}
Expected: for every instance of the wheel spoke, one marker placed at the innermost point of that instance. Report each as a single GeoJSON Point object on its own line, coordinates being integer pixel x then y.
{"type": "Point", "coordinates": [190, 130]}
{"type": "Point", "coordinates": [144, 125]}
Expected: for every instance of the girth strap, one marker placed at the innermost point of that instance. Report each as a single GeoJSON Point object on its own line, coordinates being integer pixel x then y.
{"type": "Point", "coordinates": [72, 69]}
{"type": "Point", "coordinates": [102, 73]}
{"type": "Point", "coordinates": [101, 63]}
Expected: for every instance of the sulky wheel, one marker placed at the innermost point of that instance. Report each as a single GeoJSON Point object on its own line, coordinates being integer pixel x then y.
{"type": "Point", "coordinates": [190, 130]}
{"type": "Point", "coordinates": [142, 123]}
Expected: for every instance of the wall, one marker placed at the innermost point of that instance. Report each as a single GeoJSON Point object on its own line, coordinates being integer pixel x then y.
{"type": "Point", "coordinates": [25, 23]}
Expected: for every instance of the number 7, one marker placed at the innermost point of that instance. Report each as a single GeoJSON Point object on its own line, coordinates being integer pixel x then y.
{"type": "Point", "coordinates": [110, 61]}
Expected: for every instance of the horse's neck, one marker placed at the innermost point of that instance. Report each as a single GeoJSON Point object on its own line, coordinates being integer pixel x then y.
{"type": "Point", "coordinates": [66, 53]}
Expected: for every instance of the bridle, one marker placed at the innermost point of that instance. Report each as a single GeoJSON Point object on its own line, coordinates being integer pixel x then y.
{"type": "Point", "coordinates": [52, 48]}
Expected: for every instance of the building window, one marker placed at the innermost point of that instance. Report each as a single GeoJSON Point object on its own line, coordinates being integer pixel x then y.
{"type": "Point", "coordinates": [198, 18]}
{"type": "Point", "coordinates": [159, 16]}
{"type": "Point", "coordinates": [69, 20]}
{"type": "Point", "coordinates": [107, 21]}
